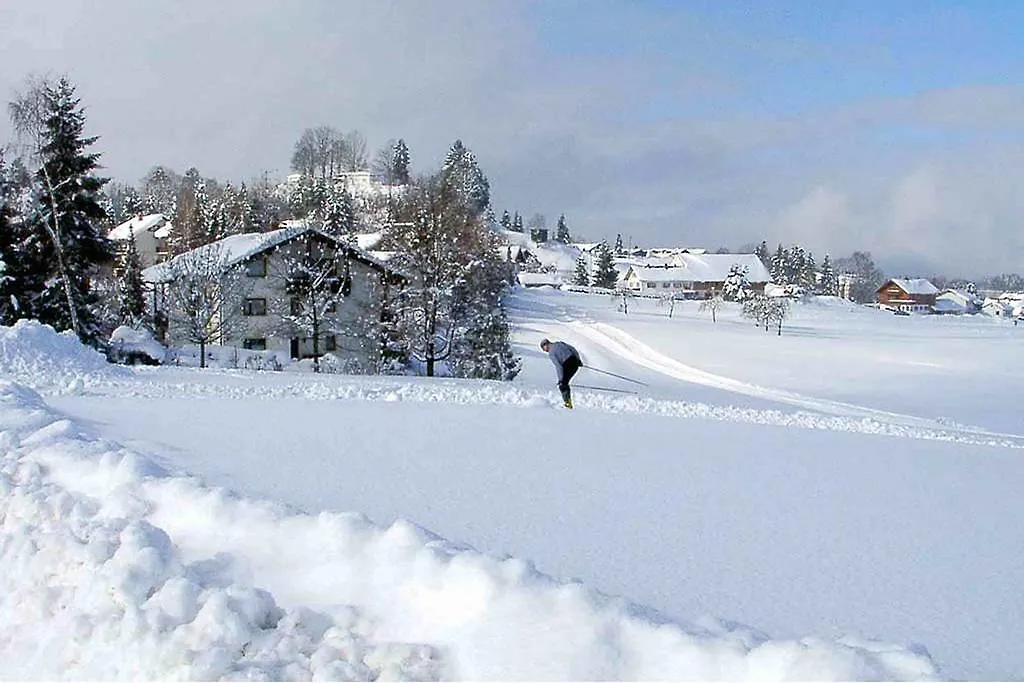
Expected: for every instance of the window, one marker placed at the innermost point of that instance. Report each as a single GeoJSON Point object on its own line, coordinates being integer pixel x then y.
{"type": "Point", "coordinates": [256, 266]}
{"type": "Point", "coordinates": [331, 343]}
{"type": "Point", "coordinates": [664, 285]}
{"type": "Point", "coordinates": [255, 307]}
{"type": "Point", "coordinates": [255, 344]}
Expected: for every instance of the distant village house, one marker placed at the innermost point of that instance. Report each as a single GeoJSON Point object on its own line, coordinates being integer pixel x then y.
{"type": "Point", "coordinates": [909, 295]}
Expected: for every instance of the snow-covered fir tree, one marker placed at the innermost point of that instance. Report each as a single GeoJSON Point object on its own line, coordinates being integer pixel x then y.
{"type": "Point", "coordinates": [762, 253]}
{"type": "Point", "coordinates": [777, 267]}
{"type": "Point", "coordinates": [461, 172]}
{"type": "Point", "coordinates": [506, 221]}
{"type": "Point", "coordinates": [66, 242]}
{"type": "Point", "coordinates": [338, 214]}
{"type": "Point", "coordinates": [619, 249]}
{"type": "Point", "coordinates": [562, 231]}
{"type": "Point", "coordinates": [517, 222]}
{"type": "Point", "coordinates": [581, 274]}
{"type": "Point", "coordinates": [829, 283]}
{"type": "Point", "coordinates": [130, 289]}
{"type": "Point", "coordinates": [12, 253]}
{"type": "Point", "coordinates": [482, 347]}
{"type": "Point", "coordinates": [400, 163]}
{"type": "Point", "coordinates": [605, 275]}
{"type": "Point", "coordinates": [736, 286]}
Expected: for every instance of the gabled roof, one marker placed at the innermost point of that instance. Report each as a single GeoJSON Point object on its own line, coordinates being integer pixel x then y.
{"type": "Point", "coordinates": [156, 223]}
{"type": "Point", "coordinates": [236, 249]}
{"type": "Point", "coordinates": [919, 286]}
{"type": "Point", "coordinates": [704, 268]}
{"type": "Point", "coordinates": [716, 267]}
{"type": "Point", "coordinates": [660, 274]}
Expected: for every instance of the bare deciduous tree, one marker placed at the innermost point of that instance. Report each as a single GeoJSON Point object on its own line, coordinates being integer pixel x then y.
{"type": "Point", "coordinates": [317, 280]}
{"type": "Point", "coordinates": [713, 304]}
{"type": "Point", "coordinates": [205, 296]}
{"type": "Point", "coordinates": [439, 236]}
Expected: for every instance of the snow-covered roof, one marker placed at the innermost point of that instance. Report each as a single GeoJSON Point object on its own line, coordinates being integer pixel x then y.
{"type": "Point", "coordinates": [369, 240]}
{"type": "Point", "coordinates": [716, 267]}
{"type": "Point", "coordinates": [644, 261]}
{"type": "Point", "coordinates": [960, 296]}
{"type": "Point", "coordinates": [661, 274]}
{"type": "Point", "coordinates": [237, 248]}
{"type": "Point", "coordinates": [914, 286]}
{"type": "Point", "coordinates": [705, 268]}
{"type": "Point", "coordinates": [156, 223]}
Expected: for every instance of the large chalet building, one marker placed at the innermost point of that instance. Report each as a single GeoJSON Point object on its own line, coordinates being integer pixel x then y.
{"type": "Point", "coordinates": [910, 295]}
{"type": "Point", "coordinates": [366, 283]}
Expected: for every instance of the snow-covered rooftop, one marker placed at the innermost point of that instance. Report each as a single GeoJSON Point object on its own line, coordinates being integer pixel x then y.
{"type": "Point", "coordinates": [237, 248]}
{"type": "Point", "coordinates": [662, 274]}
{"type": "Point", "coordinates": [156, 223]}
{"type": "Point", "coordinates": [705, 268]}
{"type": "Point", "coordinates": [915, 286]}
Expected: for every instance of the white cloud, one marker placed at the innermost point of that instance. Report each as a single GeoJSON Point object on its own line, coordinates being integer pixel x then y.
{"type": "Point", "coordinates": [621, 143]}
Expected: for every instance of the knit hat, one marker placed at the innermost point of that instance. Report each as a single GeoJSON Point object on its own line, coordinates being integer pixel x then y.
{"type": "Point", "coordinates": [544, 342]}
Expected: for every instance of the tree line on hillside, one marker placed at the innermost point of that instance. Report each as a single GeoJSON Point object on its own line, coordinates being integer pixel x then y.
{"type": "Point", "coordinates": [57, 265]}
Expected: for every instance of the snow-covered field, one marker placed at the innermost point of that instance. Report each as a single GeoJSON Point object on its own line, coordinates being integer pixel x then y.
{"type": "Point", "coordinates": [840, 502]}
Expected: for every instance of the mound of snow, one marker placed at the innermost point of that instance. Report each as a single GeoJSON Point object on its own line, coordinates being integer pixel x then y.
{"type": "Point", "coordinates": [112, 568]}
{"type": "Point", "coordinates": [37, 356]}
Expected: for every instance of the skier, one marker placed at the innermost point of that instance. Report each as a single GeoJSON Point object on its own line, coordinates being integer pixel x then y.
{"type": "Point", "coordinates": [567, 361]}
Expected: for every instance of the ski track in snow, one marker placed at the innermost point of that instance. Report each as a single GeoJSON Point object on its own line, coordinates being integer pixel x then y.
{"type": "Point", "coordinates": [340, 387]}
{"type": "Point", "coordinates": [835, 415]}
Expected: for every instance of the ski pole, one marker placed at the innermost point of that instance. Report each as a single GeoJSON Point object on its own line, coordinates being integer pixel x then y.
{"type": "Point", "coordinates": [612, 374]}
{"type": "Point", "coordinates": [617, 391]}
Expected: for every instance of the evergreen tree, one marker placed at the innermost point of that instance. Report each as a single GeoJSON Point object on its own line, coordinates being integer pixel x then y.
{"type": "Point", "coordinates": [762, 253]}
{"type": "Point", "coordinates": [581, 276]}
{"type": "Point", "coordinates": [736, 287]}
{"type": "Point", "coordinates": [809, 274]}
{"type": "Point", "coordinates": [400, 163]}
{"type": "Point", "coordinates": [67, 246]}
{"type": "Point", "coordinates": [829, 284]}
{"type": "Point", "coordinates": [517, 223]}
{"type": "Point", "coordinates": [13, 286]}
{"type": "Point", "coordinates": [619, 249]}
{"type": "Point", "coordinates": [779, 265]}
{"type": "Point", "coordinates": [461, 172]}
{"type": "Point", "coordinates": [131, 295]}
{"type": "Point", "coordinates": [482, 347]}
{"type": "Point", "coordinates": [339, 213]}
{"type": "Point", "coordinates": [506, 221]}
{"type": "Point", "coordinates": [605, 274]}
{"type": "Point", "coordinates": [562, 231]}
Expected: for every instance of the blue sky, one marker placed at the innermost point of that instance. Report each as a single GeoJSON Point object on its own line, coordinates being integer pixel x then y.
{"type": "Point", "coordinates": [889, 127]}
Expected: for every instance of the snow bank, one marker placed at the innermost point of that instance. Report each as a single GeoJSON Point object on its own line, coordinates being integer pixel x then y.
{"type": "Point", "coordinates": [111, 567]}
{"type": "Point", "coordinates": [37, 356]}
